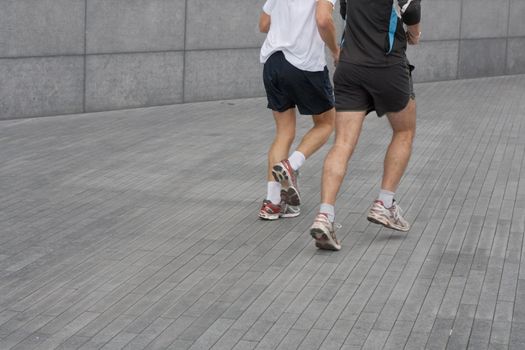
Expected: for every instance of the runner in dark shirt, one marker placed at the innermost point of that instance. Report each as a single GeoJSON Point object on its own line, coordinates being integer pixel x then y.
{"type": "Point", "coordinates": [373, 73]}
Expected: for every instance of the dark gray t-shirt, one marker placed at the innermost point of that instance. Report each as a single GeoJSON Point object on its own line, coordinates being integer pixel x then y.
{"type": "Point", "coordinates": [374, 34]}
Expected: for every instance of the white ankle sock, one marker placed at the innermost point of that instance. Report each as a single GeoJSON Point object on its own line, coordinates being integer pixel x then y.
{"type": "Point", "coordinates": [273, 193]}
{"type": "Point", "coordinates": [386, 197]}
{"type": "Point", "coordinates": [296, 160]}
{"type": "Point", "coordinates": [329, 210]}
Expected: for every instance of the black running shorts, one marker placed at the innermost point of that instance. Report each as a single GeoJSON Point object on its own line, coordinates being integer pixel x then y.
{"type": "Point", "coordinates": [362, 88]}
{"type": "Point", "coordinates": [287, 87]}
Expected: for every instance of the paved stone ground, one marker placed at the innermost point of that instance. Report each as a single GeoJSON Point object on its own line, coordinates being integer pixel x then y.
{"type": "Point", "coordinates": [138, 229]}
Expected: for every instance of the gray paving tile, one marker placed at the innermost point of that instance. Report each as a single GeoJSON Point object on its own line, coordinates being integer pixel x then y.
{"type": "Point", "coordinates": [245, 345]}
{"type": "Point", "coordinates": [313, 339]}
{"type": "Point", "coordinates": [399, 335]}
{"type": "Point", "coordinates": [212, 334]}
{"type": "Point", "coordinates": [460, 334]}
{"type": "Point", "coordinates": [360, 330]}
{"type": "Point", "coordinates": [417, 340]}
{"type": "Point", "coordinates": [480, 334]}
{"type": "Point", "coordinates": [172, 333]}
{"type": "Point", "coordinates": [500, 333]}
{"type": "Point", "coordinates": [119, 341]}
{"type": "Point", "coordinates": [148, 334]}
{"type": "Point", "coordinates": [293, 339]}
{"type": "Point", "coordinates": [441, 330]}
{"type": "Point", "coordinates": [376, 339]}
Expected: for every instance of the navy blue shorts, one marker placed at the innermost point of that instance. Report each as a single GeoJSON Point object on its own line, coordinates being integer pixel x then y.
{"type": "Point", "coordinates": [287, 87]}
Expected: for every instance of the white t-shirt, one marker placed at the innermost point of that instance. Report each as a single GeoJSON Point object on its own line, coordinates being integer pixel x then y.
{"type": "Point", "coordinates": [293, 30]}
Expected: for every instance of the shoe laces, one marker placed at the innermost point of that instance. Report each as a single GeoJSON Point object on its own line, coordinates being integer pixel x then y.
{"type": "Point", "coordinates": [396, 212]}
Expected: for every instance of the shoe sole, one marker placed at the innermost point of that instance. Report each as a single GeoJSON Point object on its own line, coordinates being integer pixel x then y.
{"type": "Point", "coordinates": [323, 241]}
{"type": "Point", "coordinates": [281, 175]}
{"type": "Point", "coordinates": [382, 221]}
{"type": "Point", "coordinates": [293, 196]}
{"type": "Point", "coordinates": [290, 215]}
{"type": "Point", "coordinates": [269, 217]}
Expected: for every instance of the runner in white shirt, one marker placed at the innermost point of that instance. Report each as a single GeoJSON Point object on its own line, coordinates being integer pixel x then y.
{"type": "Point", "coordinates": [295, 75]}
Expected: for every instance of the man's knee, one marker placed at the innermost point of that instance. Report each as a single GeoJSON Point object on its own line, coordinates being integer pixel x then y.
{"type": "Point", "coordinates": [325, 120]}
{"type": "Point", "coordinates": [325, 123]}
{"type": "Point", "coordinates": [404, 137]}
{"type": "Point", "coordinates": [344, 147]}
{"type": "Point", "coordinates": [404, 121]}
{"type": "Point", "coordinates": [326, 129]}
{"type": "Point", "coordinates": [287, 138]}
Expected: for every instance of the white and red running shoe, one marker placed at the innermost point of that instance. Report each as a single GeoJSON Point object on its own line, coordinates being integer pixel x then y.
{"type": "Point", "coordinates": [323, 232]}
{"type": "Point", "coordinates": [388, 217]}
{"type": "Point", "coordinates": [269, 211]}
{"type": "Point", "coordinates": [283, 173]}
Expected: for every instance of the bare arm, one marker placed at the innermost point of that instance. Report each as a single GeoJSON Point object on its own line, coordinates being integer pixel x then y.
{"type": "Point", "coordinates": [326, 26]}
{"type": "Point", "coordinates": [411, 15]}
{"type": "Point", "coordinates": [414, 34]}
{"type": "Point", "coordinates": [264, 22]}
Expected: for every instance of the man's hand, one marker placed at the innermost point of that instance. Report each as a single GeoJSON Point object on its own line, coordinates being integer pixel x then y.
{"type": "Point", "coordinates": [413, 34]}
{"type": "Point", "coordinates": [264, 22]}
{"type": "Point", "coordinates": [335, 56]}
{"type": "Point", "coordinates": [413, 39]}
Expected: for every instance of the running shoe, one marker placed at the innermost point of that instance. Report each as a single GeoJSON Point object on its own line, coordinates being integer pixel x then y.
{"type": "Point", "coordinates": [323, 232]}
{"type": "Point", "coordinates": [283, 173]}
{"type": "Point", "coordinates": [388, 217]}
{"type": "Point", "coordinates": [288, 210]}
{"type": "Point", "coordinates": [269, 211]}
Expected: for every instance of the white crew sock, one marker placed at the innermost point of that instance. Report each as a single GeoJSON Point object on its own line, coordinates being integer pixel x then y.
{"type": "Point", "coordinates": [329, 210]}
{"type": "Point", "coordinates": [386, 197]}
{"type": "Point", "coordinates": [273, 193]}
{"type": "Point", "coordinates": [296, 160]}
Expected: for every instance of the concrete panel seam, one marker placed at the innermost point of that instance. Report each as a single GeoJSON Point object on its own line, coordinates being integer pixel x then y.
{"type": "Point", "coordinates": [184, 55]}
{"type": "Point", "coordinates": [460, 37]}
{"type": "Point", "coordinates": [474, 39]}
{"type": "Point", "coordinates": [85, 58]}
{"type": "Point", "coordinates": [133, 52]}
{"type": "Point", "coordinates": [225, 49]}
{"type": "Point", "coordinates": [194, 50]}
{"type": "Point", "coordinates": [507, 44]}
{"type": "Point", "coordinates": [44, 56]}
{"type": "Point", "coordinates": [221, 49]}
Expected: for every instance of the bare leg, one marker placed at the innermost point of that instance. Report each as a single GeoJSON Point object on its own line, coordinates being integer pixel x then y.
{"type": "Point", "coordinates": [284, 135]}
{"type": "Point", "coordinates": [347, 129]}
{"type": "Point", "coordinates": [398, 154]}
{"type": "Point", "coordinates": [317, 136]}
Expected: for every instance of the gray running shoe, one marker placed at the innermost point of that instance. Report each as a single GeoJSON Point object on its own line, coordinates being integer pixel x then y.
{"type": "Point", "coordinates": [388, 217]}
{"type": "Point", "coordinates": [323, 231]}
{"type": "Point", "coordinates": [288, 210]}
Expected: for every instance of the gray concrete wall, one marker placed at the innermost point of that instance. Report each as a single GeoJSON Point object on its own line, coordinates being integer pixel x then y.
{"type": "Point", "coordinates": [71, 56]}
{"type": "Point", "coordinates": [470, 38]}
